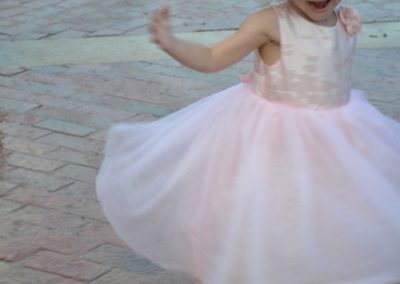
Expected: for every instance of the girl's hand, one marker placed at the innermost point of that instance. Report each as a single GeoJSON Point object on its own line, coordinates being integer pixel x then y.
{"type": "Point", "coordinates": [160, 28]}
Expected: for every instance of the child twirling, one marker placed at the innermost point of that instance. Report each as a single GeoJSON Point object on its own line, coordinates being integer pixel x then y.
{"type": "Point", "coordinates": [288, 177]}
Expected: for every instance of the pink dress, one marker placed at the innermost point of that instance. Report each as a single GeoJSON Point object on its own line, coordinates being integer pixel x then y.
{"type": "Point", "coordinates": [289, 177]}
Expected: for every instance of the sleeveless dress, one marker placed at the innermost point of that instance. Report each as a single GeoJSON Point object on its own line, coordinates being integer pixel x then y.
{"type": "Point", "coordinates": [288, 177]}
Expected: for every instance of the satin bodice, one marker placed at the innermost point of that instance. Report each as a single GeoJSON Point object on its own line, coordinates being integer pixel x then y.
{"type": "Point", "coordinates": [314, 69]}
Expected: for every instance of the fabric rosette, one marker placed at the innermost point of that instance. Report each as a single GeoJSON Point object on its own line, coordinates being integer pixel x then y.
{"type": "Point", "coordinates": [351, 20]}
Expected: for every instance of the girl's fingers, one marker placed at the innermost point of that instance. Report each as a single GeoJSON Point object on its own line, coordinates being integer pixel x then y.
{"type": "Point", "coordinates": [159, 26]}
{"type": "Point", "coordinates": [164, 12]}
{"type": "Point", "coordinates": [161, 15]}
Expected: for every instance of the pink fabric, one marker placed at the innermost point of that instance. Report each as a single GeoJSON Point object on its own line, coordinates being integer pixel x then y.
{"type": "Point", "coordinates": [315, 66]}
{"type": "Point", "coordinates": [249, 187]}
{"type": "Point", "coordinates": [351, 20]}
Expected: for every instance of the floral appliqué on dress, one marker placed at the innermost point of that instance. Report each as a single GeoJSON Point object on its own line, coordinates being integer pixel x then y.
{"type": "Point", "coordinates": [351, 20]}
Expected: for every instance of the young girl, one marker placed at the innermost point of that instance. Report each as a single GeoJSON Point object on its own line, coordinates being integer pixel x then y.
{"type": "Point", "coordinates": [288, 177]}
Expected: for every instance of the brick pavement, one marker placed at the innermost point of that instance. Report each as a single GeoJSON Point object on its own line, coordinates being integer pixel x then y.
{"type": "Point", "coordinates": [54, 118]}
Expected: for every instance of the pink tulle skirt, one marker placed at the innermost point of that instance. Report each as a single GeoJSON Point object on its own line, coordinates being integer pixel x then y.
{"type": "Point", "coordinates": [235, 189]}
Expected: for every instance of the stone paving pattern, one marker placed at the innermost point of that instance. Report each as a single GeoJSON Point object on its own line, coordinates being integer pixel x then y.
{"type": "Point", "coordinates": [53, 121]}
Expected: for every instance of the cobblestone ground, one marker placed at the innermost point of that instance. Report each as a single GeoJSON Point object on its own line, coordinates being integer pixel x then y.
{"type": "Point", "coordinates": [53, 121]}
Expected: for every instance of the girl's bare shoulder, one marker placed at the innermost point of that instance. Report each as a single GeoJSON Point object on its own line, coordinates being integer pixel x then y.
{"type": "Point", "coordinates": [266, 21]}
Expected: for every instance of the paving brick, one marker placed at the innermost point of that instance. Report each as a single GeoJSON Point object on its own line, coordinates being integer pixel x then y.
{"type": "Point", "coordinates": [12, 228]}
{"type": "Point", "coordinates": [18, 274]}
{"type": "Point", "coordinates": [77, 172]}
{"type": "Point", "coordinates": [22, 18]}
{"type": "Point", "coordinates": [26, 119]}
{"type": "Point", "coordinates": [72, 142]}
{"type": "Point", "coordinates": [101, 98]}
{"type": "Point", "coordinates": [7, 105]}
{"type": "Point", "coordinates": [80, 190]}
{"type": "Point", "coordinates": [36, 98]}
{"type": "Point", "coordinates": [61, 114]}
{"type": "Point", "coordinates": [79, 4]}
{"type": "Point", "coordinates": [118, 276]}
{"type": "Point", "coordinates": [11, 71]}
{"type": "Point", "coordinates": [166, 75]}
{"type": "Point", "coordinates": [39, 198]}
{"type": "Point", "coordinates": [4, 37]}
{"type": "Point", "coordinates": [142, 118]}
{"type": "Point", "coordinates": [8, 227]}
{"type": "Point", "coordinates": [13, 12]}
{"type": "Point", "coordinates": [66, 266]}
{"type": "Point", "coordinates": [35, 87]}
{"type": "Point", "coordinates": [50, 70]}
{"type": "Point", "coordinates": [3, 267]}
{"type": "Point", "coordinates": [99, 112]}
{"type": "Point", "coordinates": [101, 231]}
{"type": "Point", "coordinates": [118, 86]}
{"type": "Point", "coordinates": [4, 170]}
{"type": "Point", "coordinates": [8, 92]}
{"type": "Point", "coordinates": [62, 201]}
{"type": "Point", "coordinates": [21, 131]}
{"type": "Point", "coordinates": [34, 179]}
{"type": "Point", "coordinates": [51, 28]}
{"type": "Point", "coordinates": [105, 32]}
{"type": "Point", "coordinates": [99, 135]}
{"type": "Point", "coordinates": [7, 4]}
{"type": "Point", "coordinates": [86, 207]}
{"type": "Point", "coordinates": [49, 218]}
{"type": "Point", "coordinates": [79, 158]}
{"type": "Point", "coordinates": [27, 147]}
{"type": "Point", "coordinates": [70, 33]}
{"type": "Point", "coordinates": [12, 251]}
{"type": "Point", "coordinates": [52, 240]}
{"type": "Point", "coordinates": [172, 277]}
{"type": "Point", "coordinates": [7, 206]}
{"type": "Point", "coordinates": [125, 259]}
{"type": "Point", "coordinates": [21, 83]}
{"type": "Point", "coordinates": [65, 127]}
{"type": "Point", "coordinates": [34, 163]}
{"type": "Point", "coordinates": [50, 79]}
{"type": "Point", "coordinates": [6, 187]}
{"type": "Point", "coordinates": [33, 6]}
{"type": "Point", "coordinates": [149, 109]}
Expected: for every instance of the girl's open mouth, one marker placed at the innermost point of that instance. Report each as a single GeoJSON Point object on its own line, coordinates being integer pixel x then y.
{"type": "Point", "coordinates": [319, 6]}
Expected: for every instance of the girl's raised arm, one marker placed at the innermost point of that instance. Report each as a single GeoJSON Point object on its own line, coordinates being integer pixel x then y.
{"type": "Point", "coordinates": [253, 33]}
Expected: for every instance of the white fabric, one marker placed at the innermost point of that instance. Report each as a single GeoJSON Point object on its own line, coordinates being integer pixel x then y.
{"type": "Point", "coordinates": [237, 189]}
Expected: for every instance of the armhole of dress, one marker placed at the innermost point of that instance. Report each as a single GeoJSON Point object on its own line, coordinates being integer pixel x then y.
{"type": "Point", "coordinates": [278, 10]}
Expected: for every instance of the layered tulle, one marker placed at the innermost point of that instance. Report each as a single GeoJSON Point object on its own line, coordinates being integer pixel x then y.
{"type": "Point", "coordinates": [235, 189]}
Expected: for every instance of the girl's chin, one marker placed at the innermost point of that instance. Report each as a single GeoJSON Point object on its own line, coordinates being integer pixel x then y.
{"type": "Point", "coordinates": [319, 6]}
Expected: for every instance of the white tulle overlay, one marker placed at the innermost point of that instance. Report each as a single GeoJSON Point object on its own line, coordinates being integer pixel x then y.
{"type": "Point", "coordinates": [238, 189]}
{"type": "Point", "coordinates": [235, 189]}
